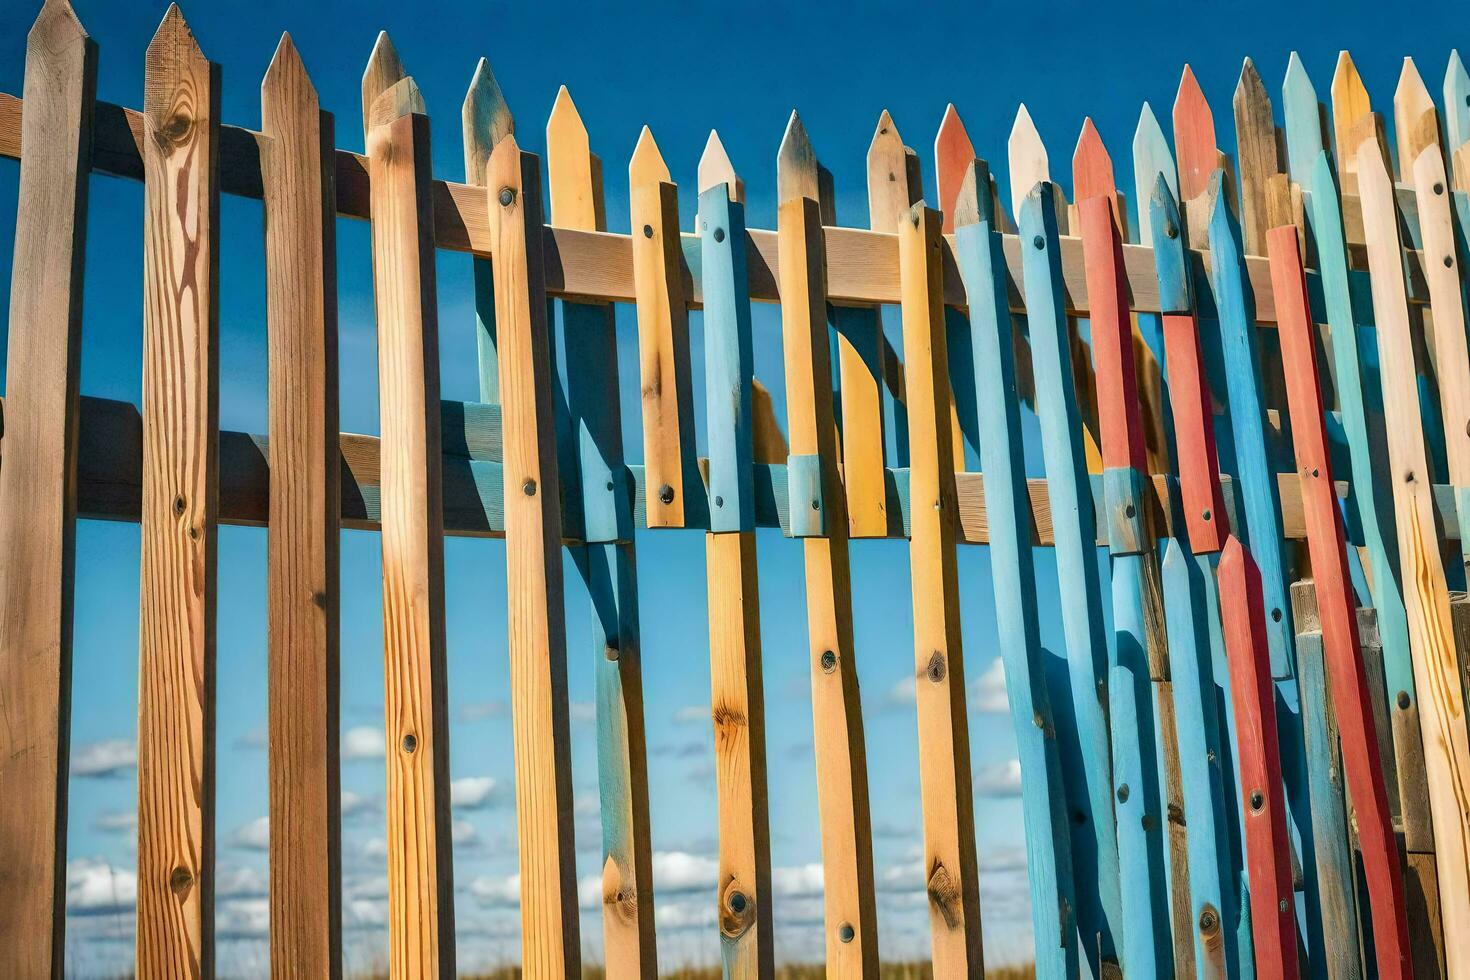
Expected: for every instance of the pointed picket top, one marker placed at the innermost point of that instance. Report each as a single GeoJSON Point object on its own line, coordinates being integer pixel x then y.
{"type": "Point", "coordinates": [1350, 105]}
{"type": "Point", "coordinates": [384, 70]}
{"type": "Point", "coordinates": [1194, 137]}
{"type": "Point", "coordinates": [1027, 158]}
{"type": "Point", "coordinates": [890, 190]}
{"type": "Point", "coordinates": [573, 173]}
{"type": "Point", "coordinates": [647, 165]}
{"type": "Point", "coordinates": [797, 170]}
{"type": "Point", "coordinates": [1256, 155]}
{"type": "Point", "coordinates": [715, 167]}
{"type": "Point", "coordinates": [1303, 115]}
{"type": "Point", "coordinates": [1092, 168]}
{"type": "Point", "coordinates": [486, 120]}
{"type": "Point", "coordinates": [973, 201]}
{"type": "Point", "coordinates": [55, 26]}
{"type": "Point", "coordinates": [287, 73]}
{"type": "Point", "coordinates": [953, 154]}
{"type": "Point", "coordinates": [398, 99]}
{"type": "Point", "coordinates": [173, 54]}
{"type": "Point", "coordinates": [1152, 158]}
{"type": "Point", "coordinates": [1415, 121]}
{"type": "Point", "coordinates": [1456, 104]}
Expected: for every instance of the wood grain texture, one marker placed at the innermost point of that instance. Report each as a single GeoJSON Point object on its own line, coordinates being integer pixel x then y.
{"type": "Point", "coordinates": [663, 335]}
{"type": "Point", "coordinates": [420, 866]}
{"type": "Point", "coordinates": [841, 753]}
{"type": "Point", "coordinates": [550, 943]}
{"type": "Point", "coordinates": [180, 501]}
{"type": "Point", "coordinates": [1255, 141]}
{"type": "Point", "coordinates": [1336, 612]}
{"type": "Point", "coordinates": [303, 600]}
{"type": "Point", "coordinates": [1441, 701]}
{"type": "Point", "coordinates": [606, 563]}
{"type": "Point", "coordinates": [1268, 848]}
{"type": "Point", "coordinates": [944, 765]}
{"type": "Point", "coordinates": [1051, 836]}
{"type": "Point", "coordinates": [1415, 120]}
{"type": "Point", "coordinates": [1350, 105]}
{"type": "Point", "coordinates": [38, 490]}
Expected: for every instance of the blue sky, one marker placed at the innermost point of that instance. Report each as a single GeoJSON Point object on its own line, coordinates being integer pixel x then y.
{"type": "Point", "coordinates": [682, 69]}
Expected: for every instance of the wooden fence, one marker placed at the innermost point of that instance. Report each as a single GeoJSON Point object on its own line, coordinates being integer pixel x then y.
{"type": "Point", "coordinates": [1257, 400]}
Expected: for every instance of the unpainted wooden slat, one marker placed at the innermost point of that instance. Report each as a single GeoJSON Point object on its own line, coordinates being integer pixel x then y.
{"type": "Point", "coordinates": [607, 564]}
{"type": "Point", "coordinates": [1256, 150]}
{"type": "Point", "coordinates": [180, 500]}
{"type": "Point", "coordinates": [944, 765]}
{"type": "Point", "coordinates": [38, 490]}
{"type": "Point", "coordinates": [420, 862]}
{"type": "Point", "coordinates": [1415, 120]}
{"type": "Point", "coordinates": [303, 597]}
{"type": "Point", "coordinates": [1440, 695]}
{"type": "Point", "coordinates": [1350, 105]}
{"type": "Point", "coordinates": [1335, 603]}
{"type": "Point", "coordinates": [841, 754]}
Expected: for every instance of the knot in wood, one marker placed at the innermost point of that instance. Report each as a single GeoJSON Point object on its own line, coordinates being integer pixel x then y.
{"type": "Point", "coordinates": [180, 880]}
{"type": "Point", "coordinates": [935, 670]}
{"type": "Point", "coordinates": [737, 909]}
{"type": "Point", "coordinates": [944, 894]}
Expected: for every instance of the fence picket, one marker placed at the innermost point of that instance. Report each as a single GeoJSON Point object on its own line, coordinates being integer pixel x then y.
{"type": "Point", "coordinates": [420, 862]}
{"type": "Point", "coordinates": [180, 502]}
{"type": "Point", "coordinates": [38, 488]}
{"type": "Point", "coordinates": [304, 602]}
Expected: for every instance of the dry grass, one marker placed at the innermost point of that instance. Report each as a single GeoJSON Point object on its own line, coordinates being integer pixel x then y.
{"type": "Point", "coordinates": [889, 971]}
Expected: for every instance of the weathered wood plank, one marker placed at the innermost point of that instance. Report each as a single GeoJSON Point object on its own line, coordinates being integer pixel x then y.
{"type": "Point", "coordinates": [420, 865]}
{"type": "Point", "coordinates": [303, 598]}
{"type": "Point", "coordinates": [1337, 615]}
{"type": "Point", "coordinates": [38, 490]}
{"type": "Point", "coordinates": [603, 500]}
{"type": "Point", "coordinates": [1441, 697]}
{"type": "Point", "coordinates": [1050, 834]}
{"type": "Point", "coordinates": [179, 507]}
{"type": "Point", "coordinates": [1255, 140]}
{"type": "Point", "coordinates": [841, 753]}
{"type": "Point", "coordinates": [550, 944]}
{"type": "Point", "coordinates": [944, 765]}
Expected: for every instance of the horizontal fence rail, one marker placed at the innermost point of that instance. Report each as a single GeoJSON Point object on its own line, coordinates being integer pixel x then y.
{"type": "Point", "coordinates": [1253, 405]}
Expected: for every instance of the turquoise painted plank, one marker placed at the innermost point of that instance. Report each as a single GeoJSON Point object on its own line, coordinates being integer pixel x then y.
{"type": "Point", "coordinates": [1206, 805]}
{"type": "Point", "coordinates": [1303, 116]}
{"type": "Point", "coordinates": [1360, 399]}
{"type": "Point", "coordinates": [591, 358]}
{"type": "Point", "coordinates": [1142, 881]}
{"type": "Point", "coordinates": [1246, 408]}
{"type": "Point", "coordinates": [486, 356]}
{"type": "Point", "coordinates": [1456, 105]}
{"type": "Point", "coordinates": [729, 360]}
{"type": "Point", "coordinates": [1056, 845]}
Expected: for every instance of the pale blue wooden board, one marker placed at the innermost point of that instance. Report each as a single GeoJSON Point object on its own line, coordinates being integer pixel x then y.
{"type": "Point", "coordinates": [1051, 837]}
{"type": "Point", "coordinates": [1456, 104]}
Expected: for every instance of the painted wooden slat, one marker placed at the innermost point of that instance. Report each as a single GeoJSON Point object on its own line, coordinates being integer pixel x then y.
{"type": "Point", "coordinates": [38, 488]}
{"type": "Point", "coordinates": [420, 865]}
{"type": "Point", "coordinates": [1350, 105]}
{"type": "Point", "coordinates": [1336, 612]}
{"type": "Point", "coordinates": [486, 120]}
{"type": "Point", "coordinates": [1303, 116]}
{"type": "Point", "coordinates": [1441, 698]}
{"type": "Point", "coordinates": [1342, 955]}
{"type": "Point", "coordinates": [549, 918]}
{"type": "Point", "coordinates": [1268, 848]}
{"type": "Point", "coordinates": [1194, 145]}
{"type": "Point", "coordinates": [663, 337]}
{"type": "Point", "coordinates": [1457, 119]}
{"type": "Point", "coordinates": [944, 763]}
{"type": "Point", "coordinates": [1050, 836]}
{"type": "Point", "coordinates": [303, 598]}
{"type": "Point", "coordinates": [1145, 917]}
{"type": "Point", "coordinates": [841, 755]}
{"type": "Point", "coordinates": [1141, 665]}
{"type": "Point", "coordinates": [1151, 157]}
{"type": "Point", "coordinates": [607, 564]}
{"type": "Point", "coordinates": [175, 935]}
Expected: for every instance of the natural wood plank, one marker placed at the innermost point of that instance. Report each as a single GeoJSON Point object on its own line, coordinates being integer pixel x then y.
{"type": "Point", "coordinates": [179, 507]}
{"type": "Point", "coordinates": [303, 600]}
{"type": "Point", "coordinates": [1052, 829]}
{"type": "Point", "coordinates": [841, 753]}
{"type": "Point", "coordinates": [1337, 617]}
{"type": "Point", "coordinates": [550, 943]}
{"type": "Point", "coordinates": [944, 765]}
{"type": "Point", "coordinates": [38, 490]}
{"type": "Point", "coordinates": [607, 565]}
{"type": "Point", "coordinates": [1440, 696]}
{"type": "Point", "coordinates": [1350, 105]}
{"type": "Point", "coordinates": [663, 336]}
{"type": "Point", "coordinates": [1255, 141]}
{"type": "Point", "coordinates": [420, 860]}
{"type": "Point", "coordinates": [1415, 121]}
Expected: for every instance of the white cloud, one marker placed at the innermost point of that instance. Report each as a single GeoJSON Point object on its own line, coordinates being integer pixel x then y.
{"type": "Point", "coordinates": [253, 836]}
{"type": "Point", "coordinates": [903, 692]}
{"type": "Point", "coordinates": [583, 712]}
{"type": "Point", "coordinates": [463, 833]}
{"type": "Point", "coordinates": [988, 691]}
{"type": "Point", "coordinates": [803, 880]}
{"type": "Point", "coordinates": [354, 804]}
{"type": "Point", "coordinates": [247, 918]}
{"type": "Point", "coordinates": [254, 739]}
{"type": "Point", "coordinates": [471, 792]}
{"type": "Point", "coordinates": [1000, 780]}
{"type": "Point", "coordinates": [680, 871]}
{"type": "Point", "coordinates": [363, 742]}
{"type": "Point", "coordinates": [105, 758]}
{"type": "Point", "coordinates": [239, 881]}
{"type": "Point", "coordinates": [692, 714]}
{"type": "Point", "coordinates": [94, 886]}
{"type": "Point", "coordinates": [497, 891]}
{"type": "Point", "coordinates": [480, 710]}
{"type": "Point", "coordinates": [118, 822]}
